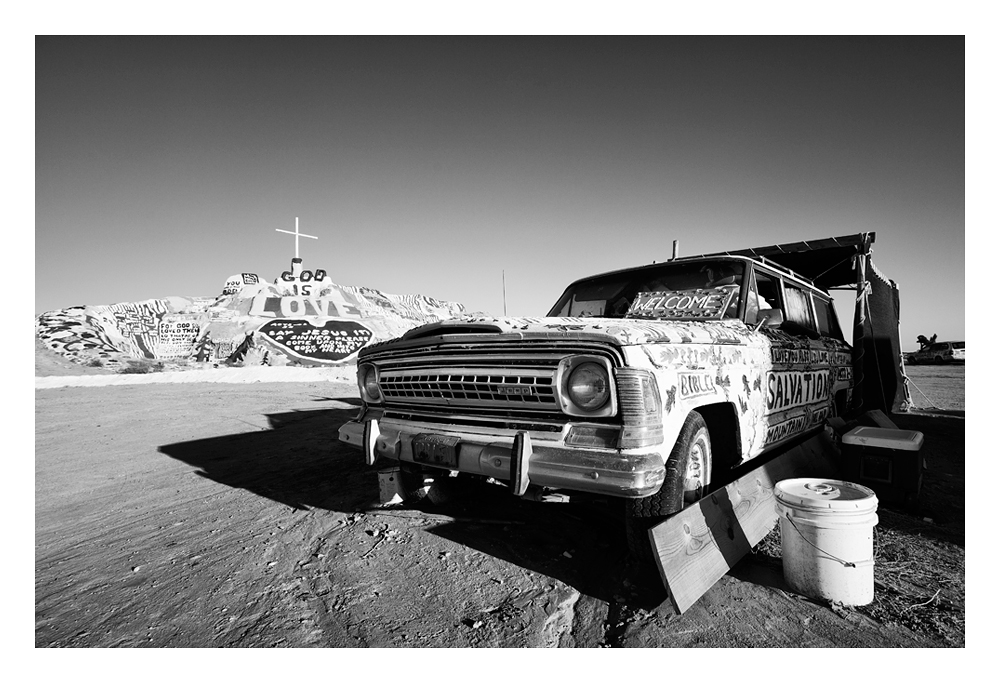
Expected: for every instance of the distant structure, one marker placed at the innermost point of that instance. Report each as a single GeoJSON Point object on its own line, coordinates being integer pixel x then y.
{"type": "Point", "coordinates": [302, 317]}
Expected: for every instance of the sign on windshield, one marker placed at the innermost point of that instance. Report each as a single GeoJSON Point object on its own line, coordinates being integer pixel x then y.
{"type": "Point", "coordinates": [692, 304]}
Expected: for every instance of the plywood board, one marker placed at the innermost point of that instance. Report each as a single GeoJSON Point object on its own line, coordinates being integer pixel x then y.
{"type": "Point", "coordinates": [697, 546]}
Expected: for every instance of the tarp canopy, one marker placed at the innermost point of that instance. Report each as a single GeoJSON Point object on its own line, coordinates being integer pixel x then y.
{"type": "Point", "coordinates": [828, 262]}
{"type": "Point", "coordinates": [879, 380]}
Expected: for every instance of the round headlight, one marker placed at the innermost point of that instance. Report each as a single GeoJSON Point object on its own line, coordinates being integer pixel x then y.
{"type": "Point", "coordinates": [368, 383]}
{"type": "Point", "coordinates": [588, 386]}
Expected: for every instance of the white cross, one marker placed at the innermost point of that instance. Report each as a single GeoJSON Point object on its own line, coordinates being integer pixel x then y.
{"type": "Point", "coordinates": [297, 235]}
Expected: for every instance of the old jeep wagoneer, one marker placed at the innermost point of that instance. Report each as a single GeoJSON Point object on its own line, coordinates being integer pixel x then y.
{"type": "Point", "coordinates": [646, 384]}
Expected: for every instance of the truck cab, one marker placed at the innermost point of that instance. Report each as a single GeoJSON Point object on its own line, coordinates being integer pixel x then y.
{"type": "Point", "coordinates": [647, 383]}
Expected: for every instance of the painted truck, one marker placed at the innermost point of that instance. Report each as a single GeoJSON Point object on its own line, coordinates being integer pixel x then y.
{"type": "Point", "coordinates": [648, 384]}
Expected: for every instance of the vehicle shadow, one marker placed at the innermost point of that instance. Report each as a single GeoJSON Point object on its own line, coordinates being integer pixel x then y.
{"type": "Point", "coordinates": [299, 462]}
{"type": "Point", "coordinates": [580, 543]}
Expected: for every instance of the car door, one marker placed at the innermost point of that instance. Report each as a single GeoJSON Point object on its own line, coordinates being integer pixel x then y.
{"type": "Point", "coordinates": [799, 382]}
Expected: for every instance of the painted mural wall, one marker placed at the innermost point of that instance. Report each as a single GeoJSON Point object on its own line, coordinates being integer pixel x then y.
{"type": "Point", "coordinates": [301, 317]}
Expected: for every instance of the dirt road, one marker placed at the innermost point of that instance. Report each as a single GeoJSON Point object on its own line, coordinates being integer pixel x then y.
{"type": "Point", "coordinates": [228, 515]}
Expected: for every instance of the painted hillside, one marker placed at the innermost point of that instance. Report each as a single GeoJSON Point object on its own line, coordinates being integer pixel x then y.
{"type": "Point", "coordinates": [301, 317]}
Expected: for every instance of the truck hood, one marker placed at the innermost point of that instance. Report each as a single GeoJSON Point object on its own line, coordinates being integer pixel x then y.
{"type": "Point", "coordinates": [617, 331]}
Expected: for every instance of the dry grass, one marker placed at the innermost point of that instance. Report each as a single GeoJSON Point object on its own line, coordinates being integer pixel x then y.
{"type": "Point", "coordinates": [919, 584]}
{"type": "Point", "coordinates": [919, 581]}
{"type": "Point", "coordinates": [140, 367]}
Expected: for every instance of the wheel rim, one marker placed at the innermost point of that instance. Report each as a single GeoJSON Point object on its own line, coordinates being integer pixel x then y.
{"type": "Point", "coordinates": [699, 462]}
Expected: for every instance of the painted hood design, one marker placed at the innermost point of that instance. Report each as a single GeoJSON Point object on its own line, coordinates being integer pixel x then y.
{"type": "Point", "coordinates": [618, 331]}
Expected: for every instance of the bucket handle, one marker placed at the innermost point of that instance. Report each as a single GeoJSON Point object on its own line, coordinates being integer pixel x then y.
{"type": "Point", "coordinates": [861, 563]}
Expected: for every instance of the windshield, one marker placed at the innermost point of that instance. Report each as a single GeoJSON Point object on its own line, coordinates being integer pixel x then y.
{"type": "Point", "coordinates": [697, 290]}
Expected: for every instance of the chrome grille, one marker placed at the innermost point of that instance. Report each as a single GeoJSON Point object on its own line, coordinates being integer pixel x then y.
{"type": "Point", "coordinates": [502, 384]}
{"type": "Point", "coordinates": [521, 388]}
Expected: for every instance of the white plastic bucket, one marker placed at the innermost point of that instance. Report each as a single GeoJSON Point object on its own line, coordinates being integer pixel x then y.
{"type": "Point", "coordinates": [827, 546]}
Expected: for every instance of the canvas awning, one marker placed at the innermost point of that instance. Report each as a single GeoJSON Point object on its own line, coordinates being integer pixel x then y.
{"type": "Point", "coordinates": [828, 262]}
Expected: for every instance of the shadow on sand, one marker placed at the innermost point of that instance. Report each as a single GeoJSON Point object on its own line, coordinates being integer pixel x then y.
{"type": "Point", "coordinates": [299, 462]}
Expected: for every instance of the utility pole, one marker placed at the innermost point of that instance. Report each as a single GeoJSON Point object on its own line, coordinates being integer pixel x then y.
{"type": "Point", "coordinates": [503, 274]}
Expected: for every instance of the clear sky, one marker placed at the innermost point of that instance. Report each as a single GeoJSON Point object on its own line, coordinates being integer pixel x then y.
{"type": "Point", "coordinates": [437, 165]}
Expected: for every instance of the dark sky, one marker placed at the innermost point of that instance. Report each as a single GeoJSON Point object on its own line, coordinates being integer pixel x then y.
{"type": "Point", "coordinates": [432, 165]}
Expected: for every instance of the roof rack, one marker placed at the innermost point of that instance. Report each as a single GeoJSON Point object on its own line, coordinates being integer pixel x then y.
{"type": "Point", "coordinates": [785, 269]}
{"type": "Point", "coordinates": [754, 257]}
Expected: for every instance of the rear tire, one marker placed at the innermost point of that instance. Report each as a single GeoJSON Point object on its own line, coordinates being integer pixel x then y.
{"type": "Point", "coordinates": [688, 476]}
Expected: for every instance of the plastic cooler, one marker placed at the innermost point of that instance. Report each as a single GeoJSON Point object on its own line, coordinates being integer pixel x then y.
{"type": "Point", "coordinates": [888, 461]}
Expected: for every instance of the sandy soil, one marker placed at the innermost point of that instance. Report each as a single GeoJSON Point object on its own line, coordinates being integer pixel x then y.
{"type": "Point", "coordinates": [227, 515]}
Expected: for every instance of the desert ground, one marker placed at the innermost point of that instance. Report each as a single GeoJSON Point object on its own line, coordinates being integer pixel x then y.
{"type": "Point", "coordinates": [227, 515]}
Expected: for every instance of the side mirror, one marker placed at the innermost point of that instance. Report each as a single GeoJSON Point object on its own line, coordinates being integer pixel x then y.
{"type": "Point", "coordinates": [770, 317]}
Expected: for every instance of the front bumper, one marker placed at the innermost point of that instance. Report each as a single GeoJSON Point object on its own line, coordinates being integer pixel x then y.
{"type": "Point", "coordinates": [610, 472]}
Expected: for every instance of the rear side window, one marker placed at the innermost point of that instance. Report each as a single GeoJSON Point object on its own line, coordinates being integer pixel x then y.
{"type": "Point", "coordinates": [798, 308]}
{"type": "Point", "coordinates": [939, 347]}
{"type": "Point", "coordinates": [958, 345]}
{"type": "Point", "coordinates": [826, 319]}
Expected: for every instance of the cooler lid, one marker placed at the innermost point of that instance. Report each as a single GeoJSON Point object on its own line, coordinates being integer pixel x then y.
{"type": "Point", "coordinates": [825, 494]}
{"type": "Point", "coordinates": [878, 437]}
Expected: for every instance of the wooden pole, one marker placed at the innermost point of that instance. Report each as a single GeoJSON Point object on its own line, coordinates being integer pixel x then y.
{"type": "Point", "coordinates": [858, 338]}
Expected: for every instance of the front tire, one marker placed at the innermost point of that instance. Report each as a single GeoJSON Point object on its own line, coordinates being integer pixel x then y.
{"type": "Point", "coordinates": [688, 477]}
{"type": "Point", "coordinates": [414, 484]}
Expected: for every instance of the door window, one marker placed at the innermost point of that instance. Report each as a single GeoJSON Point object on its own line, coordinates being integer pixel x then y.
{"type": "Point", "coordinates": [763, 293]}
